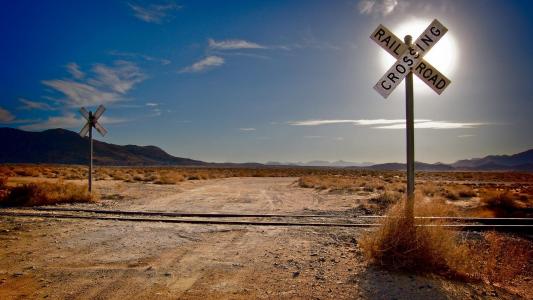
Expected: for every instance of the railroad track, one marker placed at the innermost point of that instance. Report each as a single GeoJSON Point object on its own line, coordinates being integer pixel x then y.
{"type": "Point", "coordinates": [302, 220]}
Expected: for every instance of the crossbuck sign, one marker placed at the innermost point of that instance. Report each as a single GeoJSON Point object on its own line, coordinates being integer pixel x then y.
{"type": "Point", "coordinates": [92, 121]}
{"type": "Point", "coordinates": [410, 60]}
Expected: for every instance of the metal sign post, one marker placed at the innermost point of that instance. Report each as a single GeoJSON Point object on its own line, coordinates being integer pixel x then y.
{"type": "Point", "coordinates": [410, 60]}
{"type": "Point", "coordinates": [92, 121]}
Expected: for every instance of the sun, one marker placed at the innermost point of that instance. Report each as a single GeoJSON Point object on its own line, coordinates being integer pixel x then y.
{"type": "Point", "coordinates": [442, 56]}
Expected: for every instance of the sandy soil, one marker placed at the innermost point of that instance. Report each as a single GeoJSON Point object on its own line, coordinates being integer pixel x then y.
{"type": "Point", "coordinates": [73, 259]}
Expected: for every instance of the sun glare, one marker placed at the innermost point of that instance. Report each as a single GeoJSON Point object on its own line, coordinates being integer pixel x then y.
{"type": "Point", "coordinates": [442, 56]}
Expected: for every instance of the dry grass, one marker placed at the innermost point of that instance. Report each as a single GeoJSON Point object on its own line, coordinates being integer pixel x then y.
{"type": "Point", "coordinates": [399, 245]}
{"type": "Point", "coordinates": [362, 182]}
{"type": "Point", "coordinates": [46, 194]}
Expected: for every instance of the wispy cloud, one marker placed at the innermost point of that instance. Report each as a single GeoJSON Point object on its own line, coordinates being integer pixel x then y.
{"type": "Point", "coordinates": [434, 125]}
{"type": "Point", "coordinates": [34, 105]}
{"type": "Point", "coordinates": [74, 70]}
{"type": "Point", "coordinates": [355, 122]}
{"type": "Point", "coordinates": [69, 121]}
{"type": "Point", "coordinates": [204, 64]}
{"type": "Point", "coordinates": [233, 45]}
{"type": "Point", "coordinates": [247, 129]}
{"type": "Point", "coordinates": [135, 56]}
{"type": "Point", "coordinates": [154, 13]}
{"type": "Point", "coordinates": [109, 84]}
{"type": "Point", "coordinates": [390, 123]}
{"type": "Point", "coordinates": [152, 104]}
{"type": "Point", "coordinates": [6, 116]}
{"type": "Point", "coordinates": [377, 7]}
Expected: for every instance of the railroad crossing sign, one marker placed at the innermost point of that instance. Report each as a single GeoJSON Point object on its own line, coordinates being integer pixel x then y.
{"type": "Point", "coordinates": [410, 60]}
{"type": "Point", "coordinates": [92, 121]}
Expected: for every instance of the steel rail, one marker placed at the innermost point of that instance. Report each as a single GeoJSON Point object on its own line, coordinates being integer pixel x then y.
{"type": "Point", "coordinates": [179, 214]}
{"type": "Point", "coordinates": [253, 223]}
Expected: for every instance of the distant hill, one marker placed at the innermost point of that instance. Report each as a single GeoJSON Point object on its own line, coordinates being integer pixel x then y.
{"type": "Point", "coordinates": [522, 160]}
{"type": "Point", "coordinates": [67, 147]}
{"type": "Point", "coordinates": [321, 163]}
{"type": "Point", "coordinates": [420, 166]}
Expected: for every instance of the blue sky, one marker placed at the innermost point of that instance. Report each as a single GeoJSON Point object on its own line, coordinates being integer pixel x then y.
{"type": "Point", "coordinates": [267, 80]}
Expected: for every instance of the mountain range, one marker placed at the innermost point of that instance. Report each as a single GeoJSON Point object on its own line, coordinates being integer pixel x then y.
{"type": "Point", "coordinates": [67, 147]}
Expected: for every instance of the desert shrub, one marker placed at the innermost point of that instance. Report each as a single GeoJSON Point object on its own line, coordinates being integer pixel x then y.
{"type": "Point", "coordinates": [502, 200]}
{"type": "Point", "coordinates": [3, 182]}
{"type": "Point", "coordinates": [401, 244]}
{"type": "Point", "coordinates": [47, 194]}
{"type": "Point", "coordinates": [499, 258]}
{"type": "Point", "coordinates": [169, 178]}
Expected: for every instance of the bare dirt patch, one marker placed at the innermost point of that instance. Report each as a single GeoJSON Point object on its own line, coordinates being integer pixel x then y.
{"type": "Point", "coordinates": [85, 259]}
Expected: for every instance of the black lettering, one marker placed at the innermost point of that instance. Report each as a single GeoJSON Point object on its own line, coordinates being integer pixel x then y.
{"type": "Point", "coordinates": [421, 66]}
{"type": "Point", "coordinates": [379, 33]}
{"type": "Point", "coordinates": [420, 47]}
{"type": "Point", "coordinates": [400, 69]}
{"type": "Point", "coordinates": [392, 45]}
{"type": "Point", "coordinates": [427, 40]}
{"type": "Point", "coordinates": [427, 74]}
{"type": "Point", "coordinates": [440, 84]}
{"type": "Point", "coordinates": [407, 60]}
{"type": "Point", "coordinates": [434, 79]}
{"type": "Point", "coordinates": [392, 76]}
{"type": "Point", "coordinates": [386, 40]}
{"type": "Point", "coordinates": [385, 87]}
{"type": "Point", "coordinates": [396, 49]}
{"type": "Point", "coordinates": [435, 31]}
{"type": "Point", "coordinates": [413, 53]}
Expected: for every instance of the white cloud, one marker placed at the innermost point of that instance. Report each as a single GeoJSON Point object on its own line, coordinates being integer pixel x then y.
{"type": "Point", "coordinates": [6, 116]}
{"type": "Point", "coordinates": [68, 121]}
{"type": "Point", "coordinates": [80, 94]}
{"type": "Point", "coordinates": [204, 64]}
{"type": "Point", "coordinates": [30, 105]}
{"type": "Point", "coordinates": [355, 122]}
{"type": "Point", "coordinates": [154, 13]}
{"type": "Point", "coordinates": [377, 7]}
{"type": "Point", "coordinates": [247, 129]}
{"type": "Point", "coordinates": [233, 45]}
{"type": "Point", "coordinates": [390, 123]}
{"type": "Point", "coordinates": [152, 104]}
{"type": "Point", "coordinates": [109, 84]}
{"type": "Point", "coordinates": [434, 125]}
{"type": "Point", "coordinates": [132, 55]}
{"type": "Point", "coordinates": [74, 70]}
{"type": "Point", "coordinates": [119, 78]}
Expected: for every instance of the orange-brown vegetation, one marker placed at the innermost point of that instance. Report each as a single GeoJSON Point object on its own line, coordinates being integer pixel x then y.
{"type": "Point", "coordinates": [403, 245]}
{"type": "Point", "coordinates": [46, 193]}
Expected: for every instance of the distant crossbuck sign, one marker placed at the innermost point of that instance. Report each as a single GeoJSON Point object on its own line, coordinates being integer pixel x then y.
{"type": "Point", "coordinates": [410, 59]}
{"type": "Point", "coordinates": [92, 121]}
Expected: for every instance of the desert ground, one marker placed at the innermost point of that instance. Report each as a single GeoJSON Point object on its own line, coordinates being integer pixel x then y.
{"type": "Point", "coordinates": [107, 259]}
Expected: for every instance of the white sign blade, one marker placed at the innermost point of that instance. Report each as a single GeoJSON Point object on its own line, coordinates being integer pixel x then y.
{"type": "Point", "coordinates": [429, 37]}
{"type": "Point", "coordinates": [388, 41]}
{"type": "Point", "coordinates": [99, 111]}
{"type": "Point", "coordinates": [100, 129]}
{"type": "Point", "coordinates": [84, 113]}
{"type": "Point", "coordinates": [431, 76]}
{"type": "Point", "coordinates": [409, 59]}
{"type": "Point", "coordinates": [85, 130]}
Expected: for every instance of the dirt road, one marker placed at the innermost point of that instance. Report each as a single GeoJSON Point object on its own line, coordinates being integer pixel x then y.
{"type": "Point", "coordinates": [89, 259]}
